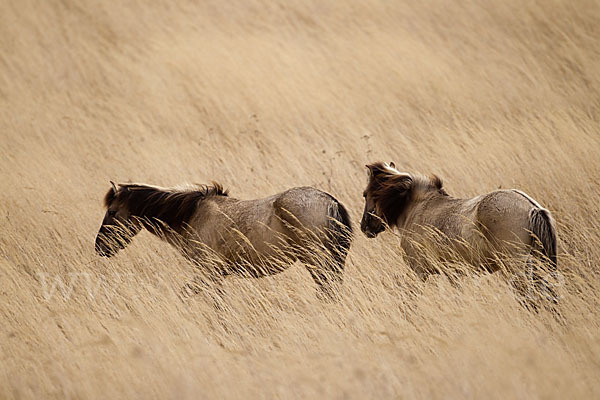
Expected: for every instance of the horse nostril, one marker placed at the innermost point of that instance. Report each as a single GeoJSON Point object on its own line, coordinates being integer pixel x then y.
{"type": "Point", "coordinates": [369, 234]}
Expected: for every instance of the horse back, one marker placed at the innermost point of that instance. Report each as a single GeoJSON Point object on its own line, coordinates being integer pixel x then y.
{"type": "Point", "coordinates": [251, 229]}
{"type": "Point", "coordinates": [503, 217]}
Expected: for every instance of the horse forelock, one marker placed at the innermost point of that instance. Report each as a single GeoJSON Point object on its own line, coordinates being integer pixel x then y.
{"type": "Point", "coordinates": [389, 189]}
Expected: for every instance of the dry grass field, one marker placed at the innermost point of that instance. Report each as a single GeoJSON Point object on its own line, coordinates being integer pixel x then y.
{"type": "Point", "coordinates": [262, 97]}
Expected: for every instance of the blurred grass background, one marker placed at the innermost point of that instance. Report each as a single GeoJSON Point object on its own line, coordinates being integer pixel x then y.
{"type": "Point", "coordinates": [262, 97]}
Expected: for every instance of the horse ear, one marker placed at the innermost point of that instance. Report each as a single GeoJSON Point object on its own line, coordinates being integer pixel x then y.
{"type": "Point", "coordinates": [369, 170]}
{"type": "Point", "coordinates": [392, 164]}
{"type": "Point", "coordinates": [110, 195]}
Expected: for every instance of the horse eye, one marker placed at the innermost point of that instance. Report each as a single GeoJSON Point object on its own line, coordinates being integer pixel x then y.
{"type": "Point", "coordinates": [112, 213]}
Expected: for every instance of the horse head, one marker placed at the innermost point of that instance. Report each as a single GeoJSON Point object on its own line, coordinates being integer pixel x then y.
{"type": "Point", "coordinates": [386, 196]}
{"type": "Point", "coordinates": [118, 228]}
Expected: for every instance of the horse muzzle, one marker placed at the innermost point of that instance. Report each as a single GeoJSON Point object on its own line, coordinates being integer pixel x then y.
{"type": "Point", "coordinates": [105, 248]}
{"type": "Point", "coordinates": [372, 233]}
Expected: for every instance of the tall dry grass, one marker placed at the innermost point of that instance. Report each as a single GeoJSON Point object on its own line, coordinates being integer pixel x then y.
{"type": "Point", "coordinates": [261, 97]}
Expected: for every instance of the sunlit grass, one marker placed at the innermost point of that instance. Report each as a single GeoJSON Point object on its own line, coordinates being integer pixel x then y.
{"type": "Point", "coordinates": [262, 97]}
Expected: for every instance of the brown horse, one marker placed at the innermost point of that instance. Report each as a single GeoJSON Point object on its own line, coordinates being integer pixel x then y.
{"type": "Point", "coordinates": [476, 230]}
{"type": "Point", "coordinates": [224, 236]}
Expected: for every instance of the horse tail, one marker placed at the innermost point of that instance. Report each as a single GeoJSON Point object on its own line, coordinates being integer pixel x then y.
{"type": "Point", "coordinates": [339, 231]}
{"type": "Point", "coordinates": [543, 231]}
{"type": "Point", "coordinates": [543, 228]}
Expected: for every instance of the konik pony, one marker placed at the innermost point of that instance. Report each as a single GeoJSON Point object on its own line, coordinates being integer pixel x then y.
{"type": "Point", "coordinates": [476, 230]}
{"type": "Point", "coordinates": [223, 235]}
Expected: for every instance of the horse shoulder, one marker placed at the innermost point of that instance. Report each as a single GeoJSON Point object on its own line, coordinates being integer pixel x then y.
{"type": "Point", "coordinates": [209, 222]}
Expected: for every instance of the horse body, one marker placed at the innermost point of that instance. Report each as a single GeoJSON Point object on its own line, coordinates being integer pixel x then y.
{"type": "Point", "coordinates": [476, 230]}
{"type": "Point", "coordinates": [225, 236]}
{"type": "Point", "coordinates": [261, 234]}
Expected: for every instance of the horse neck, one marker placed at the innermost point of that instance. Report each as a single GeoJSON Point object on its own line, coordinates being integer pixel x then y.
{"type": "Point", "coordinates": [417, 206]}
{"type": "Point", "coordinates": [405, 216]}
{"type": "Point", "coordinates": [206, 210]}
{"type": "Point", "coordinates": [164, 220]}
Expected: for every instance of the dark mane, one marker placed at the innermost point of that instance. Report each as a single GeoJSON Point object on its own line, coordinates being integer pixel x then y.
{"type": "Point", "coordinates": [391, 191]}
{"type": "Point", "coordinates": [156, 207]}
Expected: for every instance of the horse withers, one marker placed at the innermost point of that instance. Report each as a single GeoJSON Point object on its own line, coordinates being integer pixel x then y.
{"type": "Point", "coordinates": [476, 230]}
{"type": "Point", "coordinates": [224, 236]}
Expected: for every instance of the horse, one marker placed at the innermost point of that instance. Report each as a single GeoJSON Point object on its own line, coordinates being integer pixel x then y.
{"type": "Point", "coordinates": [475, 230]}
{"type": "Point", "coordinates": [226, 236]}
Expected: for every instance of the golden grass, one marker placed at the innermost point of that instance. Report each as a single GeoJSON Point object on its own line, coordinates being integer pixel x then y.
{"type": "Point", "coordinates": [262, 97]}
